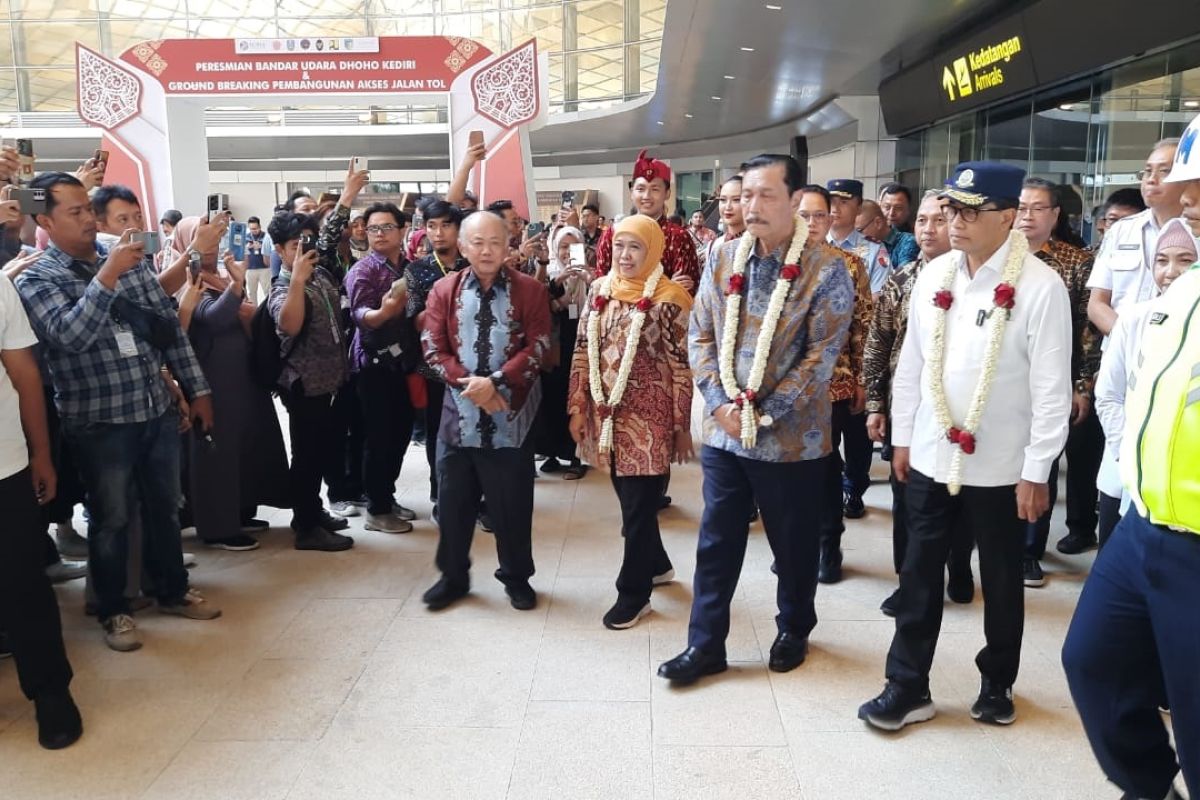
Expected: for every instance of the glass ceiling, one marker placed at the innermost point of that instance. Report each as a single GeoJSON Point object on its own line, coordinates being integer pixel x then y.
{"type": "Point", "coordinates": [601, 51]}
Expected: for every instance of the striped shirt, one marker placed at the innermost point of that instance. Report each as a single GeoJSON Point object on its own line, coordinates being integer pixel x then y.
{"type": "Point", "coordinates": [75, 320]}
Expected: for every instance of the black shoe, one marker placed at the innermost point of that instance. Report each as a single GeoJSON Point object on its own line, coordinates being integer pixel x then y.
{"type": "Point", "coordinates": [521, 595]}
{"type": "Point", "coordinates": [995, 705]}
{"type": "Point", "coordinates": [326, 541]}
{"type": "Point", "coordinates": [1031, 569]}
{"type": "Point", "coordinates": [1073, 544]}
{"type": "Point", "coordinates": [331, 523]}
{"type": "Point", "coordinates": [59, 723]}
{"type": "Point", "coordinates": [853, 507]}
{"type": "Point", "coordinates": [255, 526]}
{"type": "Point", "coordinates": [485, 522]}
{"type": "Point", "coordinates": [961, 587]}
{"type": "Point", "coordinates": [625, 615]}
{"type": "Point", "coordinates": [664, 502]}
{"type": "Point", "coordinates": [896, 707]}
{"type": "Point", "coordinates": [551, 465]}
{"type": "Point", "coordinates": [787, 652]}
{"type": "Point", "coordinates": [238, 543]}
{"type": "Point", "coordinates": [892, 604]}
{"type": "Point", "coordinates": [443, 594]}
{"type": "Point", "coordinates": [830, 568]}
{"type": "Point", "coordinates": [691, 665]}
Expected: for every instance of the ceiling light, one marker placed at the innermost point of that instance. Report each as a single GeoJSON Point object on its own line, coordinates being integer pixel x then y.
{"type": "Point", "coordinates": [364, 117]}
{"type": "Point", "coordinates": [660, 122]}
{"type": "Point", "coordinates": [747, 49]}
{"type": "Point", "coordinates": [716, 97]}
{"type": "Point", "coordinates": [689, 116]}
{"type": "Point", "coordinates": [729, 77]}
{"type": "Point", "coordinates": [773, 7]}
{"type": "Point", "coordinates": [274, 119]}
{"type": "Point", "coordinates": [1191, 103]}
{"type": "Point", "coordinates": [1067, 106]}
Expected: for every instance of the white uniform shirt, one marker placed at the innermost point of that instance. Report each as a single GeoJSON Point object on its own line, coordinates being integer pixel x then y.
{"type": "Point", "coordinates": [1125, 263]}
{"type": "Point", "coordinates": [1111, 383]}
{"type": "Point", "coordinates": [15, 334]}
{"type": "Point", "coordinates": [1024, 424]}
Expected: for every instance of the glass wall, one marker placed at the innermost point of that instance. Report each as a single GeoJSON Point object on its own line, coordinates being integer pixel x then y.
{"type": "Point", "coordinates": [601, 51]}
{"type": "Point", "coordinates": [1092, 135]}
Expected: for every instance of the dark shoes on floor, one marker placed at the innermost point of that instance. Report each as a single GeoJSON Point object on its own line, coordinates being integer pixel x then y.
{"type": "Point", "coordinates": [625, 615]}
{"type": "Point", "coordinates": [853, 507]}
{"type": "Point", "coordinates": [331, 523]}
{"type": "Point", "coordinates": [59, 723]}
{"type": "Point", "coordinates": [1031, 571]}
{"type": "Point", "coordinates": [239, 543]}
{"type": "Point", "coordinates": [830, 568]}
{"type": "Point", "coordinates": [255, 526]}
{"type": "Point", "coordinates": [995, 704]}
{"type": "Point", "coordinates": [892, 604]}
{"type": "Point", "coordinates": [664, 502]}
{"type": "Point", "coordinates": [1073, 544]}
{"type": "Point", "coordinates": [691, 665]}
{"type": "Point", "coordinates": [896, 707]}
{"type": "Point", "coordinates": [788, 652]}
{"type": "Point", "coordinates": [521, 595]}
{"type": "Point", "coordinates": [961, 587]}
{"type": "Point", "coordinates": [322, 539]}
{"type": "Point", "coordinates": [443, 594]}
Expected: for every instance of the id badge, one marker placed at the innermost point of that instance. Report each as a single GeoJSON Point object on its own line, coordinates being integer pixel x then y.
{"type": "Point", "coordinates": [573, 311]}
{"type": "Point", "coordinates": [126, 344]}
{"type": "Point", "coordinates": [394, 350]}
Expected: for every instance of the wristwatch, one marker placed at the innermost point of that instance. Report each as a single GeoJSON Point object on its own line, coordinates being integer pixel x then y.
{"type": "Point", "coordinates": [497, 379]}
{"type": "Point", "coordinates": [1084, 387]}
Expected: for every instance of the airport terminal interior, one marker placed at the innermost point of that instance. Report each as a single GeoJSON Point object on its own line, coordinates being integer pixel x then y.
{"type": "Point", "coordinates": [484, 186]}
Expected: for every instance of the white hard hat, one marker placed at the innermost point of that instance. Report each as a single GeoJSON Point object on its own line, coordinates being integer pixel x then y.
{"type": "Point", "coordinates": [1187, 155]}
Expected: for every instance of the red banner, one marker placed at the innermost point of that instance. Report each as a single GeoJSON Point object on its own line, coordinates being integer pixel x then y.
{"type": "Point", "coordinates": [402, 64]}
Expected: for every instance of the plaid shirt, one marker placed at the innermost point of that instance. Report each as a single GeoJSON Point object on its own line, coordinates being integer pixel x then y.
{"type": "Point", "coordinates": [886, 336]}
{"type": "Point", "coordinates": [847, 373]}
{"type": "Point", "coordinates": [1074, 266]}
{"type": "Point", "coordinates": [74, 319]}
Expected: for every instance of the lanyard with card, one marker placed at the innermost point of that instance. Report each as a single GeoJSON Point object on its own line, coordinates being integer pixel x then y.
{"type": "Point", "coordinates": [126, 343]}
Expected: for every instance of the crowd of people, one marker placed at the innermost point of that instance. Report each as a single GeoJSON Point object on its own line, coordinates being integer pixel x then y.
{"type": "Point", "coordinates": [968, 332]}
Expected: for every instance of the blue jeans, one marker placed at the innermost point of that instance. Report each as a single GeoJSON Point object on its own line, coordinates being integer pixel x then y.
{"type": "Point", "coordinates": [1131, 647]}
{"type": "Point", "coordinates": [127, 470]}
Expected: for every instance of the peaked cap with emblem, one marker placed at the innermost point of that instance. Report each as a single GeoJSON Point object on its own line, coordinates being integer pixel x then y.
{"type": "Point", "coordinates": [651, 168]}
{"type": "Point", "coordinates": [845, 187]}
{"type": "Point", "coordinates": [977, 182]}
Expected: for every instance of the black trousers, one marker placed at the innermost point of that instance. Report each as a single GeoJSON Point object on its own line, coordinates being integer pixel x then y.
{"type": "Point", "coordinates": [645, 556]}
{"type": "Point", "coordinates": [387, 424]}
{"type": "Point", "coordinates": [344, 473]}
{"type": "Point", "coordinates": [504, 477]}
{"type": "Point", "coordinates": [316, 447]}
{"type": "Point", "coordinates": [28, 607]}
{"type": "Point", "coordinates": [789, 497]}
{"type": "Point", "coordinates": [436, 395]}
{"type": "Point", "coordinates": [991, 514]}
{"type": "Point", "coordinates": [859, 450]}
{"type": "Point", "coordinates": [1084, 451]}
{"type": "Point", "coordinates": [961, 545]}
{"type": "Point", "coordinates": [1110, 515]}
{"type": "Point", "coordinates": [832, 520]}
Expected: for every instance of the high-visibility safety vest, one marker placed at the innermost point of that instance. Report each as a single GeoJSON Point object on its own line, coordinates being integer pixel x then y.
{"type": "Point", "coordinates": [1160, 453]}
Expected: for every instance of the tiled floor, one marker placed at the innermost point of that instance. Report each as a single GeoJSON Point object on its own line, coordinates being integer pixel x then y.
{"type": "Point", "coordinates": [328, 679]}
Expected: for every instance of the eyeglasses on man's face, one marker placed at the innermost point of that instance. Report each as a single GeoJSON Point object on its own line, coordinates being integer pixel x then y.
{"type": "Point", "coordinates": [386, 228]}
{"type": "Point", "coordinates": [814, 216]}
{"type": "Point", "coordinates": [1035, 210]}
{"type": "Point", "coordinates": [1153, 172]}
{"type": "Point", "coordinates": [968, 214]}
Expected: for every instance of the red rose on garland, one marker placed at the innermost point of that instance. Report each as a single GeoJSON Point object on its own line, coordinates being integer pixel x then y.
{"type": "Point", "coordinates": [943, 299]}
{"type": "Point", "coordinates": [1003, 296]}
{"type": "Point", "coordinates": [737, 284]}
{"type": "Point", "coordinates": [967, 442]}
{"type": "Point", "coordinates": [645, 304]}
{"type": "Point", "coordinates": [789, 272]}
{"type": "Point", "coordinates": [600, 302]}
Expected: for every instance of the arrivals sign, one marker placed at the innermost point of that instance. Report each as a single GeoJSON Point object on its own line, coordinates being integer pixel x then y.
{"type": "Point", "coordinates": [980, 70]}
{"type": "Point", "coordinates": [208, 67]}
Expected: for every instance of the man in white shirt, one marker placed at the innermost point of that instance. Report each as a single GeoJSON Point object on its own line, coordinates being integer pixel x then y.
{"type": "Point", "coordinates": [1124, 269]}
{"type": "Point", "coordinates": [28, 607]}
{"type": "Point", "coordinates": [988, 287]}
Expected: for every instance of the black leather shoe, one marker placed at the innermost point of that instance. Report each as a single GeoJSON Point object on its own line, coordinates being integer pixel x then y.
{"type": "Point", "coordinates": [892, 604]}
{"type": "Point", "coordinates": [522, 596]}
{"type": "Point", "coordinates": [691, 665]}
{"type": "Point", "coordinates": [443, 594]}
{"type": "Point", "coordinates": [830, 568]}
{"type": "Point", "coordinates": [788, 652]}
{"type": "Point", "coordinates": [59, 723]}
{"type": "Point", "coordinates": [961, 587]}
{"type": "Point", "coordinates": [331, 523]}
{"type": "Point", "coordinates": [1073, 544]}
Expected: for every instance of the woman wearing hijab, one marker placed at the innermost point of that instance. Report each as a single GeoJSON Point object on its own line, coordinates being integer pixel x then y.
{"type": "Point", "coordinates": [568, 286]}
{"type": "Point", "coordinates": [240, 464]}
{"type": "Point", "coordinates": [630, 399]}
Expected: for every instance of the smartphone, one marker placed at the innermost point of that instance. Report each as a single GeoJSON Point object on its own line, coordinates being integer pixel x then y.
{"type": "Point", "coordinates": [579, 255]}
{"type": "Point", "coordinates": [568, 199]}
{"type": "Point", "coordinates": [194, 265]}
{"type": "Point", "coordinates": [151, 242]}
{"type": "Point", "coordinates": [100, 159]}
{"type": "Point", "coordinates": [237, 240]}
{"type": "Point", "coordinates": [216, 206]}
{"type": "Point", "coordinates": [399, 287]}
{"type": "Point", "coordinates": [359, 164]}
{"type": "Point", "coordinates": [30, 201]}
{"type": "Point", "coordinates": [26, 158]}
{"type": "Point", "coordinates": [307, 243]}
{"type": "Point", "coordinates": [474, 138]}
{"type": "Point", "coordinates": [535, 229]}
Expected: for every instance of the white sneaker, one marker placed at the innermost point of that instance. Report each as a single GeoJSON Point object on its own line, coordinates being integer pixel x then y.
{"type": "Point", "coordinates": [189, 560]}
{"type": "Point", "coordinates": [63, 571]}
{"type": "Point", "coordinates": [347, 508]}
{"type": "Point", "coordinates": [387, 523]}
{"type": "Point", "coordinates": [121, 634]}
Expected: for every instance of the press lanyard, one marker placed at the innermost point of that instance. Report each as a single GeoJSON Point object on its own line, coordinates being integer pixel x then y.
{"type": "Point", "coordinates": [438, 261]}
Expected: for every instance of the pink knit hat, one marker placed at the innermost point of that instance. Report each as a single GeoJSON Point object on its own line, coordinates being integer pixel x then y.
{"type": "Point", "coordinates": [1175, 234]}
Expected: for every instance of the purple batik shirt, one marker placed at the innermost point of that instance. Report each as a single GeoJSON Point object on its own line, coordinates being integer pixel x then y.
{"type": "Point", "coordinates": [366, 284]}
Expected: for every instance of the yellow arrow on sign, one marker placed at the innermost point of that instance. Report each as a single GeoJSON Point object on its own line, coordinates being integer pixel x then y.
{"type": "Point", "coordinates": [948, 83]}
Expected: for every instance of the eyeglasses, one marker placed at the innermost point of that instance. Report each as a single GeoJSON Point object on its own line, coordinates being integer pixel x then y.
{"type": "Point", "coordinates": [1022, 210]}
{"type": "Point", "coordinates": [1153, 172]}
{"type": "Point", "coordinates": [388, 228]}
{"type": "Point", "coordinates": [967, 213]}
{"type": "Point", "coordinates": [810, 216]}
